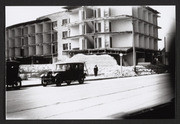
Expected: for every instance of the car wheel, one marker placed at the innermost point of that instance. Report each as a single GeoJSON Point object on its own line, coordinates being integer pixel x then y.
{"type": "Point", "coordinates": [81, 80]}
{"type": "Point", "coordinates": [58, 82]}
{"type": "Point", "coordinates": [44, 83]}
{"type": "Point", "coordinates": [18, 84]}
{"type": "Point", "coordinates": [7, 86]}
{"type": "Point", "coordinates": [68, 82]}
{"type": "Point", "coordinates": [13, 84]}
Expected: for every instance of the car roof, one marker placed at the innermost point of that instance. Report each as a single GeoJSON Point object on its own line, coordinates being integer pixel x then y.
{"type": "Point", "coordinates": [61, 63]}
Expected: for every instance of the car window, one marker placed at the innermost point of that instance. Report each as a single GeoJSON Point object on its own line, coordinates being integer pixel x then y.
{"type": "Point", "coordinates": [76, 67]}
{"type": "Point", "coordinates": [61, 67]}
{"type": "Point", "coordinates": [80, 66]}
{"type": "Point", "coordinates": [68, 67]}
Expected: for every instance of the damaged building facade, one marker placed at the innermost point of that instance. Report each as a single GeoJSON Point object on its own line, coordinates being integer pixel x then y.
{"type": "Point", "coordinates": [110, 30]}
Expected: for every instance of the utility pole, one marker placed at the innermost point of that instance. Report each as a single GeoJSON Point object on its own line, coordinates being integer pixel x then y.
{"type": "Point", "coordinates": [121, 58]}
{"type": "Point", "coordinates": [165, 44]}
{"type": "Point", "coordinates": [165, 50]}
{"type": "Point", "coordinates": [52, 41]}
{"type": "Point", "coordinates": [134, 50]}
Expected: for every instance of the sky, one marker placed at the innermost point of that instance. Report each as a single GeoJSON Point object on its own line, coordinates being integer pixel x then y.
{"type": "Point", "coordinates": [19, 14]}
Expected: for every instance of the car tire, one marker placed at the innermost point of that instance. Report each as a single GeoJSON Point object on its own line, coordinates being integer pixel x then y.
{"type": "Point", "coordinates": [68, 82]}
{"type": "Point", "coordinates": [58, 82]}
{"type": "Point", "coordinates": [44, 83]}
{"type": "Point", "coordinates": [18, 84]}
{"type": "Point", "coordinates": [81, 80]}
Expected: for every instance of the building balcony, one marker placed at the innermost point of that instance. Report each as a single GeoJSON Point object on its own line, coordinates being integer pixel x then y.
{"type": "Point", "coordinates": [100, 50]}
{"type": "Point", "coordinates": [119, 17]}
{"type": "Point", "coordinates": [147, 35]}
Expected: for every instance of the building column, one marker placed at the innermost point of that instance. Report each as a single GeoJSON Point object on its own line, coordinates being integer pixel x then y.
{"type": "Point", "coordinates": [134, 50]}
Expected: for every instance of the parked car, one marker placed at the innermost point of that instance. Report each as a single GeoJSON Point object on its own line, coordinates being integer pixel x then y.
{"type": "Point", "coordinates": [65, 72]}
{"type": "Point", "coordinates": [12, 74]}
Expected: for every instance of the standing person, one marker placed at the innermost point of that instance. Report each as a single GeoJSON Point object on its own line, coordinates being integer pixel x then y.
{"type": "Point", "coordinates": [95, 70]}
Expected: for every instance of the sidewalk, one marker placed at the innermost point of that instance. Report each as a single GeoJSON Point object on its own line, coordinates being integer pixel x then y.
{"type": "Point", "coordinates": [31, 82]}
{"type": "Point", "coordinates": [37, 81]}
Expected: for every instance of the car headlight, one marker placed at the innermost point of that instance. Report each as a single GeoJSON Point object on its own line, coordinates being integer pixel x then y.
{"type": "Point", "coordinates": [54, 74]}
{"type": "Point", "coordinates": [41, 75]}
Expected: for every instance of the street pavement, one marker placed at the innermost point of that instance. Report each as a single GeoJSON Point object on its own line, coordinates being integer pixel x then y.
{"type": "Point", "coordinates": [95, 99]}
{"type": "Point", "coordinates": [37, 81]}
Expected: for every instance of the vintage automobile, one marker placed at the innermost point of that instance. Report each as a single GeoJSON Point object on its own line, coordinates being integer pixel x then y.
{"type": "Point", "coordinates": [65, 72]}
{"type": "Point", "coordinates": [12, 74]}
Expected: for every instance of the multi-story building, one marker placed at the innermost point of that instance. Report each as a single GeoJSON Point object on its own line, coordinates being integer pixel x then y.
{"type": "Point", "coordinates": [31, 42]}
{"type": "Point", "coordinates": [111, 30]}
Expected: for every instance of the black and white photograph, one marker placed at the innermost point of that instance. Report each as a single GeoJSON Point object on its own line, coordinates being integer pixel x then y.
{"type": "Point", "coordinates": [90, 62]}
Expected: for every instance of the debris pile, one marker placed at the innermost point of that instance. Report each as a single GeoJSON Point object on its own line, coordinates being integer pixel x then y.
{"type": "Point", "coordinates": [107, 65]}
{"type": "Point", "coordinates": [116, 71]}
{"type": "Point", "coordinates": [35, 68]}
{"type": "Point", "coordinates": [142, 70]}
{"type": "Point", "coordinates": [151, 69]}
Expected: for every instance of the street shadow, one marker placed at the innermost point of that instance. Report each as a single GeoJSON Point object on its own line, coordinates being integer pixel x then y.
{"type": "Point", "coordinates": [72, 84]}
{"type": "Point", "coordinates": [15, 89]}
{"type": "Point", "coordinates": [164, 111]}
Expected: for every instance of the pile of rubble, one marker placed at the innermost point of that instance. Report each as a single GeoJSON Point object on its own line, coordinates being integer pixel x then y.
{"type": "Point", "coordinates": [35, 68]}
{"type": "Point", "coordinates": [127, 71]}
{"type": "Point", "coordinates": [142, 70]}
{"type": "Point", "coordinates": [107, 65]}
{"type": "Point", "coordinates": [150, 69]}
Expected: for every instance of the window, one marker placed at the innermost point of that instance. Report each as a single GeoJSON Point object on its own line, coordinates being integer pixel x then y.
{"type": "Point", "coordinates": [22, 42]}
{"type": "Point", "coordinates": [95, 43]}
{"type": "Point", "coordinates": [99, 27]}
{"type": "Point", "coordinates": [83, 15]}
{"type": "Point", "coordinates": [109, 26]}
{"type": "Point", "coordinates": [54, 24]}
{"type": "Point", "coordinates": [84, 44]}
{"type": "Point", "coordinates": [64, 21]}
{"type": "Point", "coordinates": [65, 46]}
{"type": "Point", "coordinates": [22, 52]}
{"type": "Point", "coordinates": [64, 34]}
{"type": "Point", "coordinates": [83, 29]}
{"type": "Point", "coordinates": [54, 48]}
{"type": "Point", "coordinates": [95, 28]}
{"type": "Point", "coordinates": [99, 12]}
{"type": "Point", "coordinates": [155, 45]}
{"type": "Point", "coordinates": [69, 32]}
{"type": "Point", "coordinates": [99, 42]}
{"type": "Point", "coordinates": [54, 36]}
{"type": "Point", "coordinates": [110, 42]}
{"type": "Point", "coordinates": [22, 31]}
{"type": "Point", "coordinates": [70, 46]}
{"type": "Point", "coordinates": [94, 13]}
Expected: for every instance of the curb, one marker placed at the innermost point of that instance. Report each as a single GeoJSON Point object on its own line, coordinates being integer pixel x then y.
{"type": "Point", "coordinates": [88, 80]}
{"type": "Point", "coordinates": [84, 80]}
{"type": "Point", "coordinates": [33, 85]}
{"type": "Point", "coordinates": [101, 79]}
